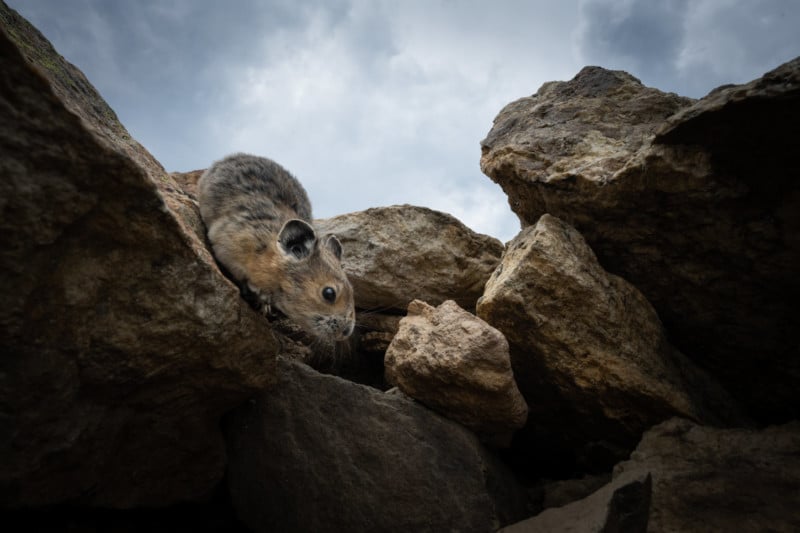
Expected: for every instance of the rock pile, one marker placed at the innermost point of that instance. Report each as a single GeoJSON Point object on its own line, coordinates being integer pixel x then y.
{"type": "Point", "coordinates": [694, 203]}
{"type": "Point", "coordinates": [650, 287]}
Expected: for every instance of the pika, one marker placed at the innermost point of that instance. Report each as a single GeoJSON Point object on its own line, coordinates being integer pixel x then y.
{"type": "Point", "coordinates": [258, 219]}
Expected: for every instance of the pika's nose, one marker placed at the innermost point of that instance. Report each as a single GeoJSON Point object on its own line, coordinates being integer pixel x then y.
{"type": "Point", "coordinates": [348, 329]}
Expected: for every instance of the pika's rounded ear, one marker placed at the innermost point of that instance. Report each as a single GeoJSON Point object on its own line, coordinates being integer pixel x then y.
{"type": "Point", "coordinates": [333, 244]}
{"type": "Point", "coordinates": [297, 238]}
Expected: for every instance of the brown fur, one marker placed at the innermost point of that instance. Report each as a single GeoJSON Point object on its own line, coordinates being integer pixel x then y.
{"type": "Point", "coordinates": [258, 219]}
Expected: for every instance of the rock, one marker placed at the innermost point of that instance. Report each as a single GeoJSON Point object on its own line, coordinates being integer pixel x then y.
{"type": "Point", "coordinates": [562, 492]}
{"type": "Point", "coordinates": [588, 351]}
{"type": "Point", "coordinates": [571, 136]}
{"type": "Point", "coordinates": [695, 203]}
{"type": "Point", "coordinates": [372, 337]}
{"type": "Point", "coordinates": [317, 453]}
{"type": "Point", "coordinates": [393, 255]}
{"type": "Point", "coordinates": [701, 479]}
{"type": "Point", "coordinates": [716, 480]}
{"type": "Point", "coordinates": [458, 365]}
{"type": "Point", "coordinates": [378, 331]}
{"type": "Point", "coordinates": [620, 506]}
{"type": "Point", "coordinates": [122, 343]}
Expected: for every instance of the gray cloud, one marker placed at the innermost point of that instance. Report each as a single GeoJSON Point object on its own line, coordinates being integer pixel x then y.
{"type": "Point", "coordinates": [641, 36]}
{"type": "Point", "coordinates": [380, 102]}
{"type": "Point", "coordinates": [689, 47]}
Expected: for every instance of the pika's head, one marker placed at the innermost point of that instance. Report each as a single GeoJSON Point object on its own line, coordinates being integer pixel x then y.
{"type": "Point", "coordinates": [314, 290]}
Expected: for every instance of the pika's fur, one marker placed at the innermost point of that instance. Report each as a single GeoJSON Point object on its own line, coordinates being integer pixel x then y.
{"type": "Point", "coordinates": [258, 218]}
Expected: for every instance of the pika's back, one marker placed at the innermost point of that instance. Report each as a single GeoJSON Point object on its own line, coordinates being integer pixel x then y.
{"type": "Point", "coordinates": [251, 190]}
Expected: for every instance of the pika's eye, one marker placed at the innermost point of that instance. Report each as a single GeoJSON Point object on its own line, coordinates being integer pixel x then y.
{"type": "Point", "coordinates": [329, 294]}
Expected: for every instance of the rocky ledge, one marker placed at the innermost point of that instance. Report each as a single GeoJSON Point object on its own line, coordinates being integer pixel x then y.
{"type": "Point", "coordinates": [614, 367]}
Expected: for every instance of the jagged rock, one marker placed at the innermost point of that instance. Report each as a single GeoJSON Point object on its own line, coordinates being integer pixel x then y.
{"type": "Point", "coordinates": [588, 351]}
{"type": "Point", "coordinates": [701, 479]}
{"type": "Point", "coordinates": [695, 203]}
{"type": "Point", "coordinates": [401, 253]}
{"type": "Point", "coordinates": [122, 343]}
{"type": "Point", "coordinates": [458, 365]}
{"type": "Point", "coordinates": [317, 453]}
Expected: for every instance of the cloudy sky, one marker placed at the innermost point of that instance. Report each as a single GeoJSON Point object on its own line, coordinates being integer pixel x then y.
{"type": "Point", "coordinates": [384, 102]}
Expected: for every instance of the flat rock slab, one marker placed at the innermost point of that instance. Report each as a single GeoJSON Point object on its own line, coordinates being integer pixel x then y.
{"type": "Point", "coordinates": [317, 453]}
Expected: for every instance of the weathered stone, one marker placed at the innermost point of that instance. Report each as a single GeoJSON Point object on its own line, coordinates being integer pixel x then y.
{"type": "Point", "coordinates": [397, 254]}
{"type": "Point", "coordinates": [702, 479]}
{"type": "Point", "coordinates": [588, 351]}
{"type": "Point", "coordinates": [459, 366]}
{"type": "Point", "coordinates": [317, 453]}
{"type": "Point", "coordinates": [571, 136]}
{"type": "Point", "coordinates": [717, 480]}
{"type": "Point", "coordinates": [700, 211]}
{"type": "Point", "coordinates": [122, 343]}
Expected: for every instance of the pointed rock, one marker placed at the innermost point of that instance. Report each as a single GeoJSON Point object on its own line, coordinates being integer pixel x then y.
{"type": "Point", "coordinates": [459, 366]}
{"type": "Point", "coordinates": [588, 350]}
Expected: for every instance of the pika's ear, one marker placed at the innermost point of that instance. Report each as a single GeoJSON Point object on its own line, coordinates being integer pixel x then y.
{"type": "Point", "coordinates": [297, 238]}
{"type": "Point", "coordinates": [333, 244]}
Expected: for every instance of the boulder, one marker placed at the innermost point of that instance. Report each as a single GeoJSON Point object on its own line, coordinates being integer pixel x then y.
{"type": "Point", "coordinates": [690, 478]}
{"type": "Point", "coordinates": [697, 203]}
{"type": "Point", "coordinates": [588, 351]}
{"type": "Point", "coordinates": [318, 453]}
{"type": "Point", "coordinates": [120, 338]}
{"type": "Point", "coordinates": [393, 255]}
{"type": "Point", "coordinates": [458, 365]}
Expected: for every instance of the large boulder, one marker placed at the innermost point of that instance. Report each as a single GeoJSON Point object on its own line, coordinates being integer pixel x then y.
{"type": "Point", "coordinates": [122, 343]}
{"type": "Point", "coordinates": [458, 365]}
{"type": "Point", "coordinates": [397, 254]}
{"type": "Point", "coordinates": [689, 478]}
{"type": "Point", "coordinates": [695, 203]}
{"type": "Point", "coordinates": [318, 453]}
{"type": "Point", "coordinates": [588, 350]}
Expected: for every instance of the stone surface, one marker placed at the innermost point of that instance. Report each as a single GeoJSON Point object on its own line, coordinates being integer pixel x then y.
{"type": "Point", "coordinates": [620, 506]}
{"type": "Point", "coordinates": [122, 343]}
{"type": "Point", "coordinates": [317, 453]}
{"type": "Point", "coordinates": [695, 203]}
{"type": "Point", "coordinates": [588, 351]}
{"type": "Point", "coordinates": [562, 492]}
{"type": "Point", "coordinates": [717, 480]}
{"type": "Point", "coordinates": [459, 366]}
{"type": "Point", "coordinates": [401, 253]}
{"type": "Point", "coordinates": [701, 479]}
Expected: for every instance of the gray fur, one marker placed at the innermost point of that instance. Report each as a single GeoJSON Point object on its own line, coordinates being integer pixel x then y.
{"type": "Point", "coordinates": [258, 219]}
